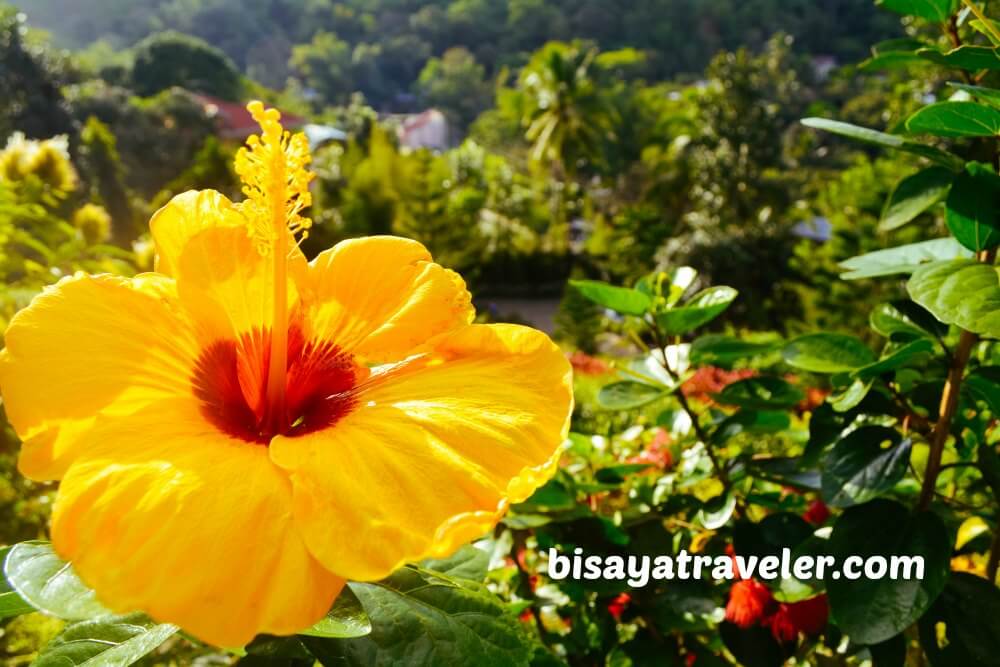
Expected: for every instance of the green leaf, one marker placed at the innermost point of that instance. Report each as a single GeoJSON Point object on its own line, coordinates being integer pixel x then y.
{"type": "Point", "coordinates": [346, 619]}
{"type": "Point", "coordinates": [827, 353]}
{"type": "Point", "coordinates": [422, 618]}
{"type": "Point", "coordinates": [48, 583]}
{"type": "Point", "coordinates": [973, 207]}
{"type": "Point", "coordinates": [701, 309]}
{"type": "Point", "coordinates": [865, 464]}
{"type": "Point", "coordinates": [849, 397]}
{"type": "Point", "coordinates": [901, 259]}
{"type": "Point", "coordinates": [108, 641]}
{"type": "Point", "coordinates": [963, 292]}
{"type": "Point", "coordinates": [931, 10]}
{"type": "Point", "coordinates": [680, 280]}
{"type": "Point", "coordinates": [469, 562]}
{"type": "Point", "coordinates": [896, 360]}
{"type": "Point", "coordinates": [914, 195]}
{"type": "Point", "coordinates": [719, 349]}
{"type": "Point", "coordinates": [873, 610]}
{"type": "Point", "coordinates": [956, 119]}
{"type": "Point", "coordinates": [981, 93]}
{"type": "Point", "coordinates": [963, 626]}
{"type": "Point", "coordinates": [984, 383]}
{"type": "Point", "coordinates": [903, 320]}
{"type": "Point", "coordinates": [760, 393]}
{"type": "Point", "coordinates": [787, 471]}
{"type": "Point", "coordinates": [627, 395]}
{"type": "Point", "coordinates": [11, 603]}
{"type": "Point", "coordinates": [621, 299]}
{"type": "Point", "coordinates": [870, 136]}
{"type": "Point", "coordinates": [750, 421]}
{"type": "Point", "coordinates": [971, 58]}
{"type": "Point", "coordinates": [717, 511]}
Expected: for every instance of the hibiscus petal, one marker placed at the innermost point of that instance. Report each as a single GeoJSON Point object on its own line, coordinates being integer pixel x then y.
{"type": "Point", "coordinates": [382, 296]}
{"type": "Point", "coordinates": [184, 216]}
{"type": "Point", "coordinates": [164, 515]}
{"type": "Point", "coordinates": [227, 284]}
{"type": "Point", "coordinates": [85, 345]}
{"type": "Point", "coordinates": [434, 452]}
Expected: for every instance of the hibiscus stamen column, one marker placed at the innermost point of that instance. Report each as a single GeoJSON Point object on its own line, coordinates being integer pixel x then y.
{"type": "Point", "coordinates": [276, 183]}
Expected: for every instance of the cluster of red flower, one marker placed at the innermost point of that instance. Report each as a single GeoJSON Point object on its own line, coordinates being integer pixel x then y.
{"type": "Point", "coordinates": [751, 603]}
{"type": "Point", "coordinates": [657, 452]}
{"type": "Point", "coordinates": [584, 364]}
{"type": "Point", "coordinates": [709, 380]}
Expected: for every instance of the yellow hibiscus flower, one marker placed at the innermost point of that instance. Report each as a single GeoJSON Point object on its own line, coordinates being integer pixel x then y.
{"type": "Point", "coordinates": [241, 431]}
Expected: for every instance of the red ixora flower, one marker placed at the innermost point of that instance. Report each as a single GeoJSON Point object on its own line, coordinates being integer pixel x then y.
{"type": "Point", "coordinates": [749, 603]}
{"type": "Point", "coordinates": [617, 606]}
{"type": "Point", "coordinates": [584, 364]}
{"type": "Point", "coordinates": [657, 452]}
{"type": "Point", "coordinates": [817, 513]}
{"type": "Point", "coordinates": [709, 380]}
{"type": "Point", "coordinates": [806, 616]}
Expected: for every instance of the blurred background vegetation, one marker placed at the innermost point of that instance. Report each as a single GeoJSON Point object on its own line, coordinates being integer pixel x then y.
{"type": "Point", "coordinates": [525, 142]}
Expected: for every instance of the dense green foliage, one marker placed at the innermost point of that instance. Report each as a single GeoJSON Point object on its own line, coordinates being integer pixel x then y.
{"type": "Point", "coordinates": [784, 333]}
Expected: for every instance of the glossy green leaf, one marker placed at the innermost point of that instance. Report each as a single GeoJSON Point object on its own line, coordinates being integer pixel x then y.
{"type": "Point", "coordinates": [469, 562]}
{"type": "Point", "coordinates": [345, 619]}
{"type": "Point", "coordinates": [969, 57]}
{"type": "Point", "coordinates": [827, 353]}
{"type": "Point", "coordinates": [48, 583]}
{"type": "Point", "coordinates": [701, 309]}
{"type": "Point", "coordinates": [422, 618]}
{"type": "Point", "coordinates": [849, 397]}
{"type": "Point", "coordinates": [108, 641]}
{"type": "Point", "coordinates": [981, 93]}
{"type": "Point", "coordinates": [963, 625]}
{"type": "Point", "coordinates": [872, 610]}
{"type": "Point", "coordinates": [760, 393]}
{"type": "Point", "coordinates": [932, 10]}
{"type": "Point", "coordinates": [904, 320]}
{"type": "Point", "coordinates": [621, 299]}
{"type": "Point", "coordinates": [750, 421]}
{"type": "Point", "coordinates": [870, 136]}
{"type": "Point", "coordinates": [627, 395]}
{"type": "Point", "coordinates": [719, 349]}
{"type": "Point", "coordinates": [984, 383]}
{"type": "Point", "coordinates": [915, 194]}
{"type": "Point", "coordinates": [717, 511]}
{"type": "Point", "coordinates": [866, 463]}
{"type": "Point", "coordinates": [787, 471]}
{"type": "Point", "coordinates": [961, 292]}
{"type": "Point", "coordinates": [901, 259]}
{"type": "Point", "coordinates": [11, 604]}
{"type": "Point", "coordinates": [956, 119]}
{"type": "Point", "coordinates": [972, 210]}
{"type": "Point", "coordinates": [896, 359]}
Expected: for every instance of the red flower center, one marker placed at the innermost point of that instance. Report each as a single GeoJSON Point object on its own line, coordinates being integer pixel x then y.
{"type": "Point", "coordinates": [230, 380]}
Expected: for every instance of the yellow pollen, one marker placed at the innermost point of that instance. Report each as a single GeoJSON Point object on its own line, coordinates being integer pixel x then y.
{"type": "Point", "coordinates": [275, 179]}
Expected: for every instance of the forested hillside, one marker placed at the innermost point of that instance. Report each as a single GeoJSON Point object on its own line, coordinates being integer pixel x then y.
{"type": "Point", "coordinates": [379, 47]}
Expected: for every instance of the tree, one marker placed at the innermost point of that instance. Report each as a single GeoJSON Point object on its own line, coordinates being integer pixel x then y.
{"type": "Point", "coordinates": [566, 114]}
{"type": "Point", "coordinates": [30, 96]}
{"type": "Point", "coordinates": [457, 85]}
{"type": "Point", "coordinates": [324, 65]}
{"type": "Point", "coordinates": [169, 59]}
